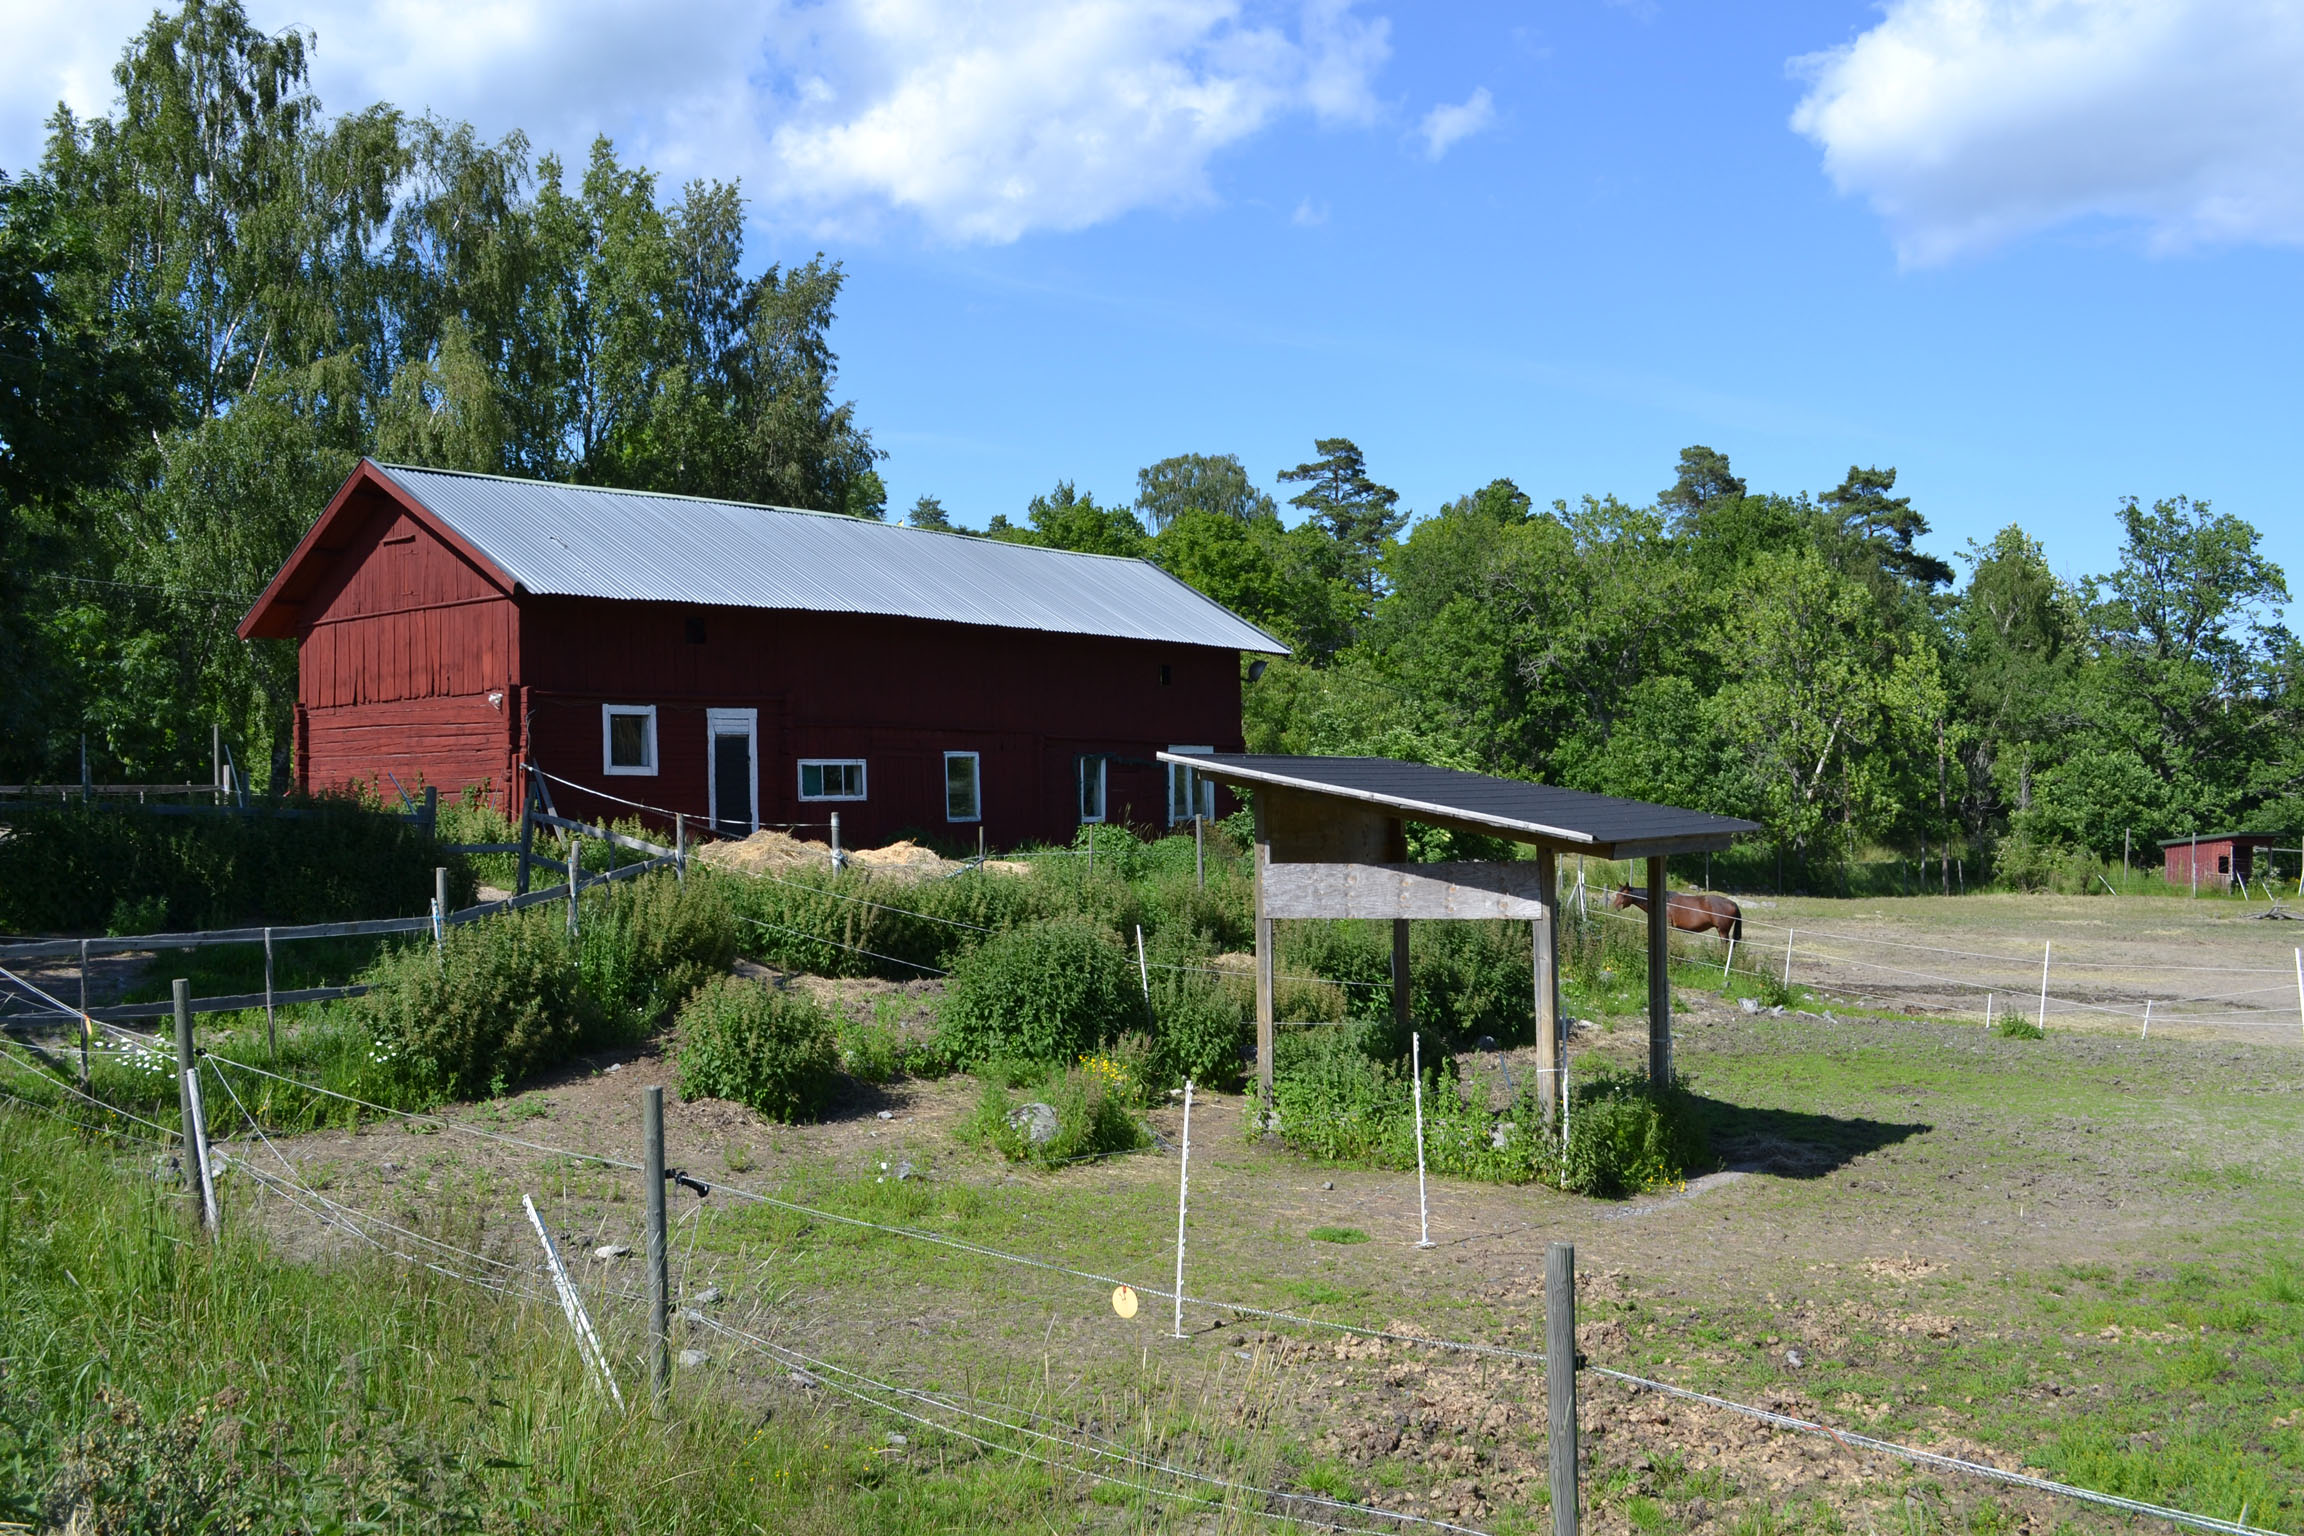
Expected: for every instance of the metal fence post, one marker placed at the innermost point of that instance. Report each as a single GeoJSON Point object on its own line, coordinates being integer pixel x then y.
{"type": "Point", "coordinates": [575, 878]}
{"type": "Point", "coordinates": [659, 1277]}
{"type": "Point", "coordinates": [1560, 1382]}
{"type": "Point", "coordinates": [188, 1095]}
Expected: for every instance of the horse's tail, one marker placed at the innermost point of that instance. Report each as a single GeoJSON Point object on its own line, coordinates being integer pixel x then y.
{"type": "Point", "coordinates": [1735, 925]}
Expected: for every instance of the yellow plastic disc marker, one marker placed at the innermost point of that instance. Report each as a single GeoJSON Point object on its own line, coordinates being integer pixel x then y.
{"type": "Point", "coordinates": [1124, 1301]}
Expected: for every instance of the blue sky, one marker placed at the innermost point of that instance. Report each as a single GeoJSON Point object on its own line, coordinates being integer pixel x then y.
{"type": "Point", "coordinates": [2036, 254]}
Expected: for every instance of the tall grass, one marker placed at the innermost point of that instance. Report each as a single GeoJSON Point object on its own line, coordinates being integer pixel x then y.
{"type": "Point", "coordinates": [153, 1382]}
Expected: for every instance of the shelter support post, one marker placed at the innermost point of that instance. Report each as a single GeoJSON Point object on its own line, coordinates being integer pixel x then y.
{"type": "Point", "coordinates": [1547, 981]}
{"type": "Point", "coordinates": [1263, 964]}
{"type": "Point", "coordinates": [1659, 978]}
{"type": "Point", "coordinates": [1400, 1009]}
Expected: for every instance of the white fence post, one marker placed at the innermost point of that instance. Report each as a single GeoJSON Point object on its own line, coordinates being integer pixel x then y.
{"type": "Point", "coordinates": [1183, 1184]}
{"type": "Point", "coordinates": [2046, 949]}
{"type": "Point", "coordinates": [1788, 956]}
{"type": "Point", "coordinates": [587, 1342]}
{"type": "Point", "coordinates": [1143, 971]}
{"type": "Point", "coordinates": [1423, 1211]}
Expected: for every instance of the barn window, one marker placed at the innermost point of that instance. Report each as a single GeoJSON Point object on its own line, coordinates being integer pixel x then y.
{"type": "Point", "coordinates": [832, 778]}
{"type": "Point", "coordinates": [2224, 864]}
{"type": "Point", "coordinates": [963, 794]}
{"type": "Point", "coordinates": [1091, 788]}
{"type": "Point", "coordinates": [1167, 674]}
{"type": "Point", "coordinates": [628, 738]}
{"type": "Point", "coordinates": [1189, 794]}
{"type": "Point", "coordinates": [693, 627]}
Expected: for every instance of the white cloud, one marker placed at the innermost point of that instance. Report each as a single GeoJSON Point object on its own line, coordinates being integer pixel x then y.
{"type": "Point", "coordinates": [992, 121]}
{"type": "Point", "coordinates": [985, 120]}
{"type": "Point", "coordinates": [1309, 215]}
{"type": "Point", "coordinates": [1446, 125]}
{"type": "Point", "coordinates": [1968, 122]}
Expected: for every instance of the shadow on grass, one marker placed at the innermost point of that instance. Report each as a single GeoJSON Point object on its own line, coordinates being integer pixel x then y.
{"type": "Point", "coordinates": [1791, 1143]}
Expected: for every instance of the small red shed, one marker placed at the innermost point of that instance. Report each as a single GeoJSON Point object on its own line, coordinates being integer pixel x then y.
{"type": "Point", "coordinates": [744, 665]}
{"type": "Point", "coordinates": [2214, 860]}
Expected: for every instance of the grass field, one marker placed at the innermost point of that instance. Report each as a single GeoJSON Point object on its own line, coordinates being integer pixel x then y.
{"type": "Point", "coordinates": [2076, 1254]}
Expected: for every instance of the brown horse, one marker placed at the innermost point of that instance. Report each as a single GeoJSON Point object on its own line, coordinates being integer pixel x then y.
{"type": "Point", "coordinates": [1690, 911]}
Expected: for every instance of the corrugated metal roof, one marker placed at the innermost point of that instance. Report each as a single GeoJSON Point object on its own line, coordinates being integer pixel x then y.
{"type": "Point", "coordinates": [586, 541]}
{"type": "Point", "coordinates": [1513, 807]}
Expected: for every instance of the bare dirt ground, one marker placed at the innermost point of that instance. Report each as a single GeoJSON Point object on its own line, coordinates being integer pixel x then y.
{"type": "Point", "coordinates": [1893, 1197]}
{"type": "Point", "coordinates": [2212, 968]}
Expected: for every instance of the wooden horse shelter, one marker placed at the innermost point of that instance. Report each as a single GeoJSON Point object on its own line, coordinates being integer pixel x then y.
{"type": "Point", "coordinates": [1331, 841]}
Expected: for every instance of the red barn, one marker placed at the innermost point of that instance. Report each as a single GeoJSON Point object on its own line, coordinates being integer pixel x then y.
{"type": "Point", "coordinates": [743, 665]}
{"type": "Point", "coordinates": [2213, 860]}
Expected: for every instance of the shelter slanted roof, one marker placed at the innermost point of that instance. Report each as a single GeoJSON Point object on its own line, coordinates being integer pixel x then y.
{"type": "Point", "coordinates": [2256, 839]}
{"type": "Point", "coordinates": [1570, 820]}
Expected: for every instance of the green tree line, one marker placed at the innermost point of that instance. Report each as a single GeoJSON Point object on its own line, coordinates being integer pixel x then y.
{"type": "Point", "coordinates": [1797, 660]}
{"type": "Point", "coordinates": [216, 297]}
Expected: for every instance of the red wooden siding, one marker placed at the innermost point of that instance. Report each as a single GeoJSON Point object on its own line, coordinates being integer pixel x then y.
{"type": "Point", "coordinates": [898, 693]}
{"type": "Point", "coordinates": [417, 659]}
{"type": "Point", "coordinates": [403, 639]}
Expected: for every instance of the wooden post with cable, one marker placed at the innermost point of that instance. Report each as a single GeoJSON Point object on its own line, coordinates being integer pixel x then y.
{"type": "Point", "coordinates": [659, 1275]}
{"type": "Point", "coordinates": [1659, 978]}
{"type": "Point", "coordinates": [1560, 1383]}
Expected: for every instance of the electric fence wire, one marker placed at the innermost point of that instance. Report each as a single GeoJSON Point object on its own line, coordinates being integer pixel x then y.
{"type": "Point", "coordinates": [1854, 1441]}
{"type": "Point", "coordinates": [822, 1369]}
{"type": "Point", "coordinates": [2129, 1011]}
{"type": "Point", "coordinates": [2018, 961]}
{"type": "Point", "coordinates": [62, 1086]}
{"type": "Point", "coordinates": [1846, 1438]}
{"type": "Point", "coordinates": [852, 948]}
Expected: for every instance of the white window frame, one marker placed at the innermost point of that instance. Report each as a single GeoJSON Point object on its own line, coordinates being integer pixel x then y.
{"type": "Point", "coordinates": [1196, 788]}
{"type": "Point", "coordinates": [731, 722]}
{"type": "Point", "coordinates": [1103, 789]}
{"type": "Point", "coordinates": [608, 765]}
{"type": "Point", "coordinates": [863, 784]}
{"type": "Point", "coordinates": [975, 783]}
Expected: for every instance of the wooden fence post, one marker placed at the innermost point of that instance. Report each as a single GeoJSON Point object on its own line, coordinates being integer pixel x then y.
{"type": "Point", "coordinates": [659, 1276]}
{"type": "Point", "coordinates": [1560, 1382]}
{"type": "Point", "coordinates": [431, 810]}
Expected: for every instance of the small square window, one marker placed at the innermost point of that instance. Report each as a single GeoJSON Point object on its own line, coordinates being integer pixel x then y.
{"type": "Point", "coordinates": [1167, 674]}
{"type": "Point", "coordinates": [963, 796]}
{"type": "Point", "coordinates": [1091, 789]}
{"type": "Point", "coordinates": [628, 738]}
{"type": "Point", "coordinates": [832, 778]}
{"type": "Point", "coordinates": [693, 627]}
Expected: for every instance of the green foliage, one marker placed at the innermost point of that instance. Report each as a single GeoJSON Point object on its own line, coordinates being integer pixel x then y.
{"type": "Point", "coordinates": [1346, 1235]}
{"type": "Point", "coordinates": [1051, 991]}
{"type": "Point", "coordinates": [2015, 1026]}
{"type": "Point", "coordinates": [648, 941]}
{"type": "Point", "coordinates": [1199, 1030]}
{"type": "Point", "coordinates": [85, 869]}
{"type": "Point", "coordinates": [500, 1002]}
{"type": "Point", "coordinates": [1337, 1100]}
{"type": "Point", "coordinates": [1095, 1109]}
{"type": "Point", "coordinates": [758, 1045]}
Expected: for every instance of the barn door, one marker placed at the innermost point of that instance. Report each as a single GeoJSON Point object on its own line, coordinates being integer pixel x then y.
{"type": "Point", "coordinates": [735, 769]}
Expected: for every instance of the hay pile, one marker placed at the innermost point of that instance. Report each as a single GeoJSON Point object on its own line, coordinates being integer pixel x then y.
{"type": "Point", "coordinates": [769, 852]}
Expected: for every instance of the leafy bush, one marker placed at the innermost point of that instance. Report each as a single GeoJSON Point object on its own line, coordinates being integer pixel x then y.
{"type": "Point", "coordinates": [85, 868]}
{"type": "Point", "coordinates": [757, 1045]}
{"type": "Point", "coordinates": [1339, 1101]}
{"type": "Point", "coordinates": [871, 1049]}
{"type": "Point", "coordinates": [1095, 1104]}
{"type": "Point", "coordinates": [649, 941]}
{"type": "Point", "coordinates": [1198, 1030]}
{"type": "Point", "coordinates": [1622, 1139]}
{"type": "Point", "coordinates": [1050, 991]}
{"type": "Point", "coordinates": [501, 1002]}
{"type": "Point", "coordinates": [2015, 1026]}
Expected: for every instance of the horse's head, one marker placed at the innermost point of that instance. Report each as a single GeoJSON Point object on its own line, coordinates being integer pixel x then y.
{"type": "Point", "coordinates": [1623, 898]}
